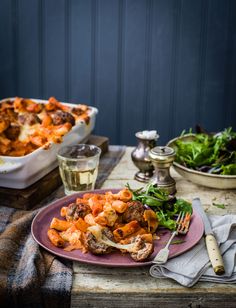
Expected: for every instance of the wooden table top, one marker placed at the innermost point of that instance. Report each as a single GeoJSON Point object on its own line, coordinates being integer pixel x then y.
{"type": "Point", "coordinates": [95, 286]}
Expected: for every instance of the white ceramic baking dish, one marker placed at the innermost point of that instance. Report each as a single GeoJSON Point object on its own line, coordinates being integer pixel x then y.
{"type": "Point", "coordinates": [21, 172]}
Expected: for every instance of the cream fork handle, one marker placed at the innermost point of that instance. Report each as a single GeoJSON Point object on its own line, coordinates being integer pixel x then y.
{"type": "Point", "coordinates": [163, 254]}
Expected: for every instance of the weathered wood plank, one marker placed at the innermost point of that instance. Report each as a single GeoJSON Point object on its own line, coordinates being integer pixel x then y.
{"type": "Point", "coordinates": [152, 300]}
{"type": "Point", "coordinates": [92, 279]}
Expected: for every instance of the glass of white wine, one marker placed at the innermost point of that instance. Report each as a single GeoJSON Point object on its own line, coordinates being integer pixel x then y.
{"type": "Point", "coordinates": [78, 166]}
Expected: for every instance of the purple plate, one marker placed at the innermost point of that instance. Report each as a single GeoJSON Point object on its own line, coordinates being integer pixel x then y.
{"type": "Point", "coordinates": [42, 220]}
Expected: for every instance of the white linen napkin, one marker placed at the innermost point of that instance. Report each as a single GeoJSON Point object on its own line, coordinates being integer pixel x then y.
{"type": "Point", "coordinates": [194, 265]}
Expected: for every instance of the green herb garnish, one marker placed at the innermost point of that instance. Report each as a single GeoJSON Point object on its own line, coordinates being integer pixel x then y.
{"type": "Point", "coordinates": [219, 205]}
{"type": "Point", "coordinates": [165, 206]}
{"type": "Point", "coordinates": [177, 242]}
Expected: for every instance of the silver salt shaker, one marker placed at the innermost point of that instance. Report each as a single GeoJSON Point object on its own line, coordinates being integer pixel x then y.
{"type": "Point", "coordinates": [162, 158]}
{"type": "Point", "coordinates": [146, 141]}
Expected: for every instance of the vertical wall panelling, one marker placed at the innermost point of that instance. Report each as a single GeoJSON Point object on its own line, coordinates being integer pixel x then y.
{"type": "Point", "coordinates": [94, 41]}
{"type": "Point", "coordinates": [54, 18]}
{"type": "Point", "coordinates": [6, 49]}
{"type": "Point", "coordinates": [146, 64]}
{"type": "Point", "coordinates": [15, 38]}
{"type": "Point", "coordinates": [148, 56]}
{"type": "Point", "coordinates": [177, 21]}
{"type": "Point", "coordinates": [201, 72]}
{"type": "Point", "coordinates": [162, 37]}
{"type": "Point", "coordinates": [134, 77]}
{"type": "Point", "coordinates": [67, 49]}
{"type": "Point", "coordinates": [213, 100]}
{"type": "Point", "coordinates": [120, 69]}
{"type": "Point", "coordinates": [41, 34]}
{"type": "Point", "coordinates": [80, 81]}
{"type": "Point", "coordinates": [106, 67]}
{"type": "Point", "coordinates": [28, 50]}
{"type": "Point", "coordinates": [187, 66]}
{"type": "Point", "coordinates": [229, 108]}
{"type": "Point", "coordinates": [231, 119]}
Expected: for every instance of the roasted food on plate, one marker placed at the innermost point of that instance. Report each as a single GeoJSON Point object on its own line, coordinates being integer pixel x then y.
{"type": "Point", "coordinates": [103, 223]}
{"type": "Point", "coordinates": [26, 125]}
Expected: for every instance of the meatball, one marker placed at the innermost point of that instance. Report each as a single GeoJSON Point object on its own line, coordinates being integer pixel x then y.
{"type": "Point", "coordinates": [134, 211]}
{"type": "Point", "coordinates": [60, 117]}
{"type": "Point", "coordinates": [13, 131]}
{"type": "Point", "coordinates": [74, 211]}
{"type": "Point", "coordinates": [29, 119]}
{"type": "Point", "coordinates": [96, 247]}
{"type": "Point", "coordinates": [78, 111]}
{"type": "Point", "coordinates": [143, 251]}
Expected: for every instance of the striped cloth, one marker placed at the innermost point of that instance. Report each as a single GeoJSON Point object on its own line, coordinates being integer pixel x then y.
{"type": "Point", "coordinates": [29, 275]}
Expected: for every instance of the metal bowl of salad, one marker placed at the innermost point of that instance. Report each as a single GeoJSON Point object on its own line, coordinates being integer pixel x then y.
{"type": "Point", "coordinates": [207, 159]}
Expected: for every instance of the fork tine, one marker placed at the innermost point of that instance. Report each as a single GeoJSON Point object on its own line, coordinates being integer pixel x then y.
{"type": "Point", "coordinates": [183, 222]}
{"type": "Point", "coordinates": [179, 218]}
{"type": "Point", "coordinates": [187, 221]}
{"type": "Point", "coordinates": [179, 221]}
{"type": "Point", "coordinates": [182, 225]}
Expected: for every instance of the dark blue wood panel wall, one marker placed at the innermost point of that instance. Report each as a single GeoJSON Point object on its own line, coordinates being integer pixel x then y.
{"type": "Point", "coordinates": [145, 64]}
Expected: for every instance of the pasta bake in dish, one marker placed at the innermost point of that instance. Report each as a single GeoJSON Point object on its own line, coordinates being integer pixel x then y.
{"type": "Point", "coordinates": [31, 133]}
{"type": "Point", "coordinates": [26, 125]}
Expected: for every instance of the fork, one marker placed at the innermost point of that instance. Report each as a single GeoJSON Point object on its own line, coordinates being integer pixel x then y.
{"type": "Point", "coordinates": [182, 227]}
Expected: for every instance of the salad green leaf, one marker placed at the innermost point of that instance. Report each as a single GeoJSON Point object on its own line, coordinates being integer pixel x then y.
{"type": "Point", "coordinates": [182, 205]}
{"type": "Point", "coordinates": [165, 220]}
{"type": "Point", "coordinates": [166, 206]}
{"type": "Point", "coordinates": [209, 153]}
{"type": "Point", "coordinates": [219, 205]}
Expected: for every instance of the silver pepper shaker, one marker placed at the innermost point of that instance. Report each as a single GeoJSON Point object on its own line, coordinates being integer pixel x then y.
{"type": "Point", "coordinates": [162, 158]}
{"type": "Point", "coordinates": [146, 141]}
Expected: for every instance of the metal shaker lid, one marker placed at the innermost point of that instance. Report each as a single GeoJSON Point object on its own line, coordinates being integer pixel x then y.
{"type": "Point", "coordinates": [162, 153]}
